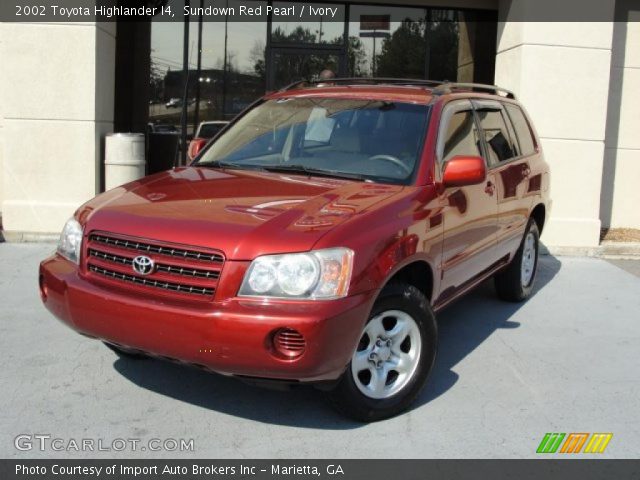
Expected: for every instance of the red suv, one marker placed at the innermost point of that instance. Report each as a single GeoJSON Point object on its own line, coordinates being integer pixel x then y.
{"type": "Point", "coordinates": [314, 240]}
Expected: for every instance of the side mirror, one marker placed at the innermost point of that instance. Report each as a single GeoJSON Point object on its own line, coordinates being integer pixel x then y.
{"type": "Point", "coordinates": [464, 170]}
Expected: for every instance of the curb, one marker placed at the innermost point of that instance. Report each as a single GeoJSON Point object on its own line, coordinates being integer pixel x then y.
{"type": "Point", "coordinates": [607, 249]}
{"type": "Point", "coordinates": [29, 237]}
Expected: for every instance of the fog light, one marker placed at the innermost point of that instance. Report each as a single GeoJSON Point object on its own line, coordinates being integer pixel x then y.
{"type": "Point", "coordinates": [289, 343]}
{"type": "Point", "coordinates": [44, 291]}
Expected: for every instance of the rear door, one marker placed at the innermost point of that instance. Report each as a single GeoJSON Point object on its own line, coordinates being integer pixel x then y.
{"type": "Point", "coordinates": [469, 213]}
{"type": "Point", "coordinates": [510, 168]}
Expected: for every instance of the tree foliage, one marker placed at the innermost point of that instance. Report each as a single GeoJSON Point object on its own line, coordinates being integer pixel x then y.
{"type": "Point", "coordinates": [404, 53]}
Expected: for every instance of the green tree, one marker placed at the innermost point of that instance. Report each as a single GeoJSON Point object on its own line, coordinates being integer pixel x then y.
{"type": "Point", "coordinates": [443, 35]}
{"type": "Point", "coordinates": [297, 35]}
{"type": "Point", "coordinates": [404, 53]}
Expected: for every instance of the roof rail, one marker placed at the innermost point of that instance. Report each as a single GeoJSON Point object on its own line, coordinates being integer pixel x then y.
{"type": "Point", "coordinates": [293, 85]}
{"type": "Point", "coordinates": [363, 81]}
{"type": "Point", "coordinates": [448, 87]}
{"type": "Point", "coordinates": [439, 87]}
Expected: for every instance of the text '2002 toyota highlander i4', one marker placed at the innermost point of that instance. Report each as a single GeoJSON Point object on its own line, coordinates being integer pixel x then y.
{"type": "Point", "coordinates": [314, 238]}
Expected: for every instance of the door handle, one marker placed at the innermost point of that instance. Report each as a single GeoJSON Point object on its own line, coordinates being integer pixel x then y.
{"type": "Point", "coordinates": [489, 188]}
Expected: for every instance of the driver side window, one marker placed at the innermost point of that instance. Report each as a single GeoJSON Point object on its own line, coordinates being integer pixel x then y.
{"type": "Point", "coordinates": [461, 136]}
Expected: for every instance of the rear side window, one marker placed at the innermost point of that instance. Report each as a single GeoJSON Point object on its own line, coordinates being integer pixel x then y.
{"type": "Point", "coordinates": [461, 137]}
{"type": "Point", "coordinates": [521, 126]}
{"type": "Point", "coordinates": [496, 135]}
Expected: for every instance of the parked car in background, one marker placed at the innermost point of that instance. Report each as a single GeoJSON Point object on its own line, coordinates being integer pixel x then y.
{"type": "Point", "coordinates": [161, 128]}
{"type": "Point", "coordinates": [314, 240]}
{"type": "Point", "coordinates": [174, 103]}
{"type": "Point", "coordinates": [206, 131]}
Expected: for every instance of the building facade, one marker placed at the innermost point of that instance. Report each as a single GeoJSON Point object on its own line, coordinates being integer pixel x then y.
{"type": "Point", "coordinates": [65, 86]}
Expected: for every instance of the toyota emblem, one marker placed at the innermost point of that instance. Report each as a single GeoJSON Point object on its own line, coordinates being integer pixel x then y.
{"type": "Point", "coordinates": [143, 265]}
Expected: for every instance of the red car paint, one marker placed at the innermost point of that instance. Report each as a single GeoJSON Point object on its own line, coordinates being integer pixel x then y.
{"type": "Point", "coordinates": [451, 237]}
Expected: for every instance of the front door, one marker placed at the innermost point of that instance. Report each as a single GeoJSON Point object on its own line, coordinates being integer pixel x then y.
{"type": "Point", "coordinates": [288, 65]}
{"type": "Point", "coordinates": [469, 213]}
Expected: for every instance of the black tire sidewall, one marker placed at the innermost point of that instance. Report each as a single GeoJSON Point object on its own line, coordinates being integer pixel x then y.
{"type": "Point", "coordinates": [508, 282]}
{"type": "Point", "coordinates": [348, 398]}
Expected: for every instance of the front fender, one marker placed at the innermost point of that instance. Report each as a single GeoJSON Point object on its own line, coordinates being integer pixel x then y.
{"type": "Point", "coordinates": [404, 229]}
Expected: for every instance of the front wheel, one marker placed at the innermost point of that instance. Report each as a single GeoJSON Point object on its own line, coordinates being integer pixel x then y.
{"type": "Point", "coordinates": [515, 282]}
{"type": "Point", "coordinates": [393, 358]}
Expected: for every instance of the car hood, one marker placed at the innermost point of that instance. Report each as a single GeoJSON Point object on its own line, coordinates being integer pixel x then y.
{"type": "Point", "coordinates": [243, 213]}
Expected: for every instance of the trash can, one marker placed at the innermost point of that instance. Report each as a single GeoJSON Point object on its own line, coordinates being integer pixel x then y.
{"type": "Point", "coordinates": [124, 158]}
{"type": "Point", "coordinates": [163, 151]}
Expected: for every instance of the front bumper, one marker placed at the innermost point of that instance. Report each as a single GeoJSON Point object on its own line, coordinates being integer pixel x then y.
{"type": "Point", "coordinates": [231, 337]}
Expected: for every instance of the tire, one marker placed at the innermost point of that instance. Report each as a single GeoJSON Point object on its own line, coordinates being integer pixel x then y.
{"type": "Point", "coordinates": [515, 283]}
{"type": "Point", "coordinates": [125, 352]}
{"type": "Point", "coordinates": [359, 394]}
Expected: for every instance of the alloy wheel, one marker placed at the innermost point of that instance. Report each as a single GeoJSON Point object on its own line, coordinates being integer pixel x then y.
{"type": "Point", "coordinates": [528, 259]}
{"type": "Point", "coordinates": [388, 354]}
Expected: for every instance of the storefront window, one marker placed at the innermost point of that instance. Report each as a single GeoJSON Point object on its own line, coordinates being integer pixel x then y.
{"type": "Point", "coordinates": [443, 39]}
{"type": "Point", "coordinates": [462, 45]}
{"type": "Point", "coordinates": [232, 66]}
{"type": "Point", "coordinates": [231, 63]}
{"type": "Point", "coordinates": [166, 74]}
{"type": "Point", "coordinates": [246, 74]}
{"type": "Point", "coordinates": [325, 29]}
{"type": "Point", "coordinates": [226, 69]}
{"type": "Point", "coordinates": [387, 41]}
{"type": "Point", "coordinates": [290, 66]}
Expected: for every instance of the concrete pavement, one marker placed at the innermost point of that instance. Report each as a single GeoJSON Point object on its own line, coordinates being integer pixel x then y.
{"type": "Point", "coordinates": [565, 361]}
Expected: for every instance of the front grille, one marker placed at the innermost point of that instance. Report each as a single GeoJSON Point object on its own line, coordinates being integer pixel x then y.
{"type": "Point", "coordinates": [178, 270]}
{"type": "Point", "coordinates": [184, 271]}
{"type": "Point", "coordinates": [112, 258]}
{"type": "Point", "coordinates": [176, 287]}
{"type": "Point", "coordinates": [143, 247]}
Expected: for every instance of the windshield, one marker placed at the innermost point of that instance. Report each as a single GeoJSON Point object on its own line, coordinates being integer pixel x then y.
{"type": "Point", "coordinates": [367, 139]}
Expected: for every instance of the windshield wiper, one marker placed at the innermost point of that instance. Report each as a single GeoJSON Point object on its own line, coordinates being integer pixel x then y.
{"type": "Point", "coordinates": [223, 164]}
{"type": "Point", "coordinates": [296, 168]}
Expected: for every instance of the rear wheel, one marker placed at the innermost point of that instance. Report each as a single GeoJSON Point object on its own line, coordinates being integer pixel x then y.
{"type": "Point", "coordinates": [515, 283]}
{"type": "Point", "coordinates": [393, 358]}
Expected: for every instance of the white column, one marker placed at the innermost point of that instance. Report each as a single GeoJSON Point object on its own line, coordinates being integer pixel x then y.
{"type": "Point", "coordinates": [57, 106]}
{"type": "Point", "coordinates": [621, 195]}
{"type": "Point", "coordinates": [2, 62]}
{"type": "Point", "coordinates": [560, 72]}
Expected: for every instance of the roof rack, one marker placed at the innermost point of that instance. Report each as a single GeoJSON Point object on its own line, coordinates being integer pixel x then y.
{"type": "Point", "coordinates": [362, 81]}
{"type": "Point", "coordinates": [438, 87]}
{"type": "Point", "coordinates": [448, 87]}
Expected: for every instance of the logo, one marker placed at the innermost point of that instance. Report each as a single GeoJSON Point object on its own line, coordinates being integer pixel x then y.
{"type": "Point", "coordinates": [573, 442]}
{"type": "Point", "coordinates": [143, 265]}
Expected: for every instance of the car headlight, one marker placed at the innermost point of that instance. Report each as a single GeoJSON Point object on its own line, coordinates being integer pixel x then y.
{"type": "Point", "coordinates": [70, 241]}
{"type": "Point", "coordinates": [319, 274]}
